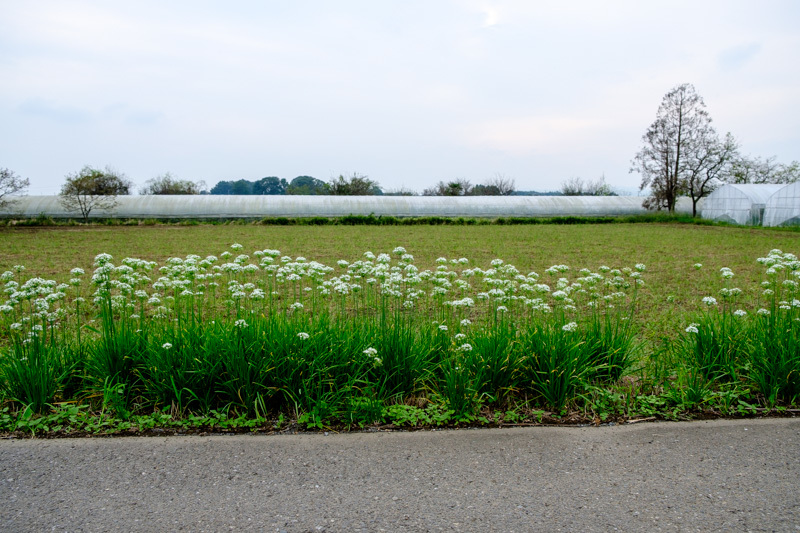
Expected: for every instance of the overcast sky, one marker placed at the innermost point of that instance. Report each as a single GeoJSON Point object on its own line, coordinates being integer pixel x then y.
{"type": "Point", "coordinates": [408, 93]}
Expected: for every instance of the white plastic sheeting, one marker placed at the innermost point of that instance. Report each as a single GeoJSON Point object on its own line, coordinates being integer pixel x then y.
{"type": "Point", "coordinates": [783, 207]}
{"type": "Point", "coordinates": [738, 204]}
{"type": "Point", "coordinates": [223, 206]}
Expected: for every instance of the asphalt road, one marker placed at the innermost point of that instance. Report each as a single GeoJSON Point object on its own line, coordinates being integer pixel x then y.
{"type": "Point", "coordinates": [707, 476]}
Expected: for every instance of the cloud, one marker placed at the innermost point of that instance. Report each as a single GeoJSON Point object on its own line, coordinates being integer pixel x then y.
{"type": "Point", "coordinates": [492, 17]}
{"type": "Point", "coordinates": [144, 118]}
{"type": "Point", "coordinates": [54, 112]}
{"type": "Point", "coordinates": [736, 56]}
{"type": "Point", "coordinates": [524, 135]}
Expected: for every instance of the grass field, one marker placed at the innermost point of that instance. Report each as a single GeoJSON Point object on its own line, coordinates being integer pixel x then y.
{"type": "Point", "coordinates": [694, 321]}
{"type": "Point", "coordinates": [672, 288]}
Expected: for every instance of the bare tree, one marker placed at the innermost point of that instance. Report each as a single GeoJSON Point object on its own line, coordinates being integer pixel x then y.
{"type": "Point", "coordinates": [92, 189]}
{"type": "Point", "coordinates": [577, 186]}
{"type": "Point", "coordinates": [708, 166]}
{"type": "Point", "coordinates": [672, 140]}
{"type": "Point", "coordinates": [573, 187]}
{"type": "Point", "coordinates": [355, 185]}
{"type": "Point", "coordinates": [758, 170]}
{"type": "Point", "coordinates": [503, 185]}
{"type": "Point", "coordinates": [11, 184]}
{"type": "Point", "coordinates": [167, 184]}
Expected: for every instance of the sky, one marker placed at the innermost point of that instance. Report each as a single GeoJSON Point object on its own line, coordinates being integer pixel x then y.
{"type": "Point", "coordinates": [407, 93]}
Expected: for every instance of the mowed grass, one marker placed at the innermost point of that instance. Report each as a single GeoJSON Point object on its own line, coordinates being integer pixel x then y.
{"type": "Point", "coordinates": [672, 291]}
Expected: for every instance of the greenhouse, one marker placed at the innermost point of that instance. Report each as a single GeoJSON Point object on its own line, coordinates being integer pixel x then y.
{"type": "Point", "coordinates": [741, 204]}
{"type": "Point", "coordinates": [225, 206]}
{"type": "Point", "coordinates": [783, 207]}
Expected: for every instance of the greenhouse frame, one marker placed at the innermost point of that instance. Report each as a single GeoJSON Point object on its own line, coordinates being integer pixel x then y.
{"type": "Point", "coordinates": [783, 207]}
{"type": "Point", "coordinates": [261, 206]}
{"type": "Point", "coordinates": [741, 204]}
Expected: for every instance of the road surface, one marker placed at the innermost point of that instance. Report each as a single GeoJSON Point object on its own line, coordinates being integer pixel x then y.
{"type": "Point", "coordinates": [687, 476]}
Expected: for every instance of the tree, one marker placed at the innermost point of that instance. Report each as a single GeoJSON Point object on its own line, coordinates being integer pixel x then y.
{"type": "Point", "coordinates": [11, 184]}
{"type": "Point", "coordinates": [499, 184]}
{"type": "Point", "coordinates": [577, 186]}
{"type": "Point", "coordinates": [306, 185]}
{"type": "Point", "coordinates": [758, 170]}
{"type": "Point", "coordinates": [355, 185]}
{"type": "Point", "coordinates": [242, 187]}
{"type": "Point", "coordinates": [457, 187]}
{"type": "Point", "coordinates": [222, 187]}
{"type": "Point", "coordinates": [709, 165]}
{"type": "Point", "coordinates": [681, 127]}
{"type": "Point", "coordinates": [270, 185]}
{"type": "Point", "coordinates": [167, 184]}
{"type": "Point", "coordinates": [239, 187]}
{"type": "Point", "coordinates": [92, 189]}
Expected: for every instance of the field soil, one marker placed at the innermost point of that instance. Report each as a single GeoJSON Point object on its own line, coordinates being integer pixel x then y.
{"type": "Point", "coordinates": [697, 476]}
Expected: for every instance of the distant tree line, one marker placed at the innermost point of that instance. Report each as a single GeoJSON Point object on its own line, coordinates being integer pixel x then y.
{"type": "Point", "coordinates": [354, 185]}
{"type": "Point", "coordinates": [498, 185]}
{"type": "Point", "coordinates": [360, 185]}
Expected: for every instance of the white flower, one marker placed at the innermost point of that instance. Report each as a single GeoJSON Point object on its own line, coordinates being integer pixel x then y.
{"type": "Point", "coordinates": [502, 308]}
{"type": "Point", "coordinates": [303, 335]}
{"type": "Point", "coordinates": [466, 322]}
{"type": "Point", "coordinates": [241, 324]}
{"type": "Point", "coordinates": [442, 327]}
{"type": "Point", "coordinates": [465, 348]}
{"type": "Point", "coordinates": [371, 351]}
{"type": "Point", "coordinates": [640, 267]}
{"type": "Point", "coordinates": [459, 336]}
{"type": "Point", "coordinates": [296, 305]}
{"type": "Point", "coordinates": [166, 346]}
{"type": "Point", "coordinates": [572, 326]}
{"type": "Point", "coordinates": [763, 312]}
{"type": "Point", "coordinates": [692, 328]}
{"type": "Point", "coordinates": [399, 250]}
{"type": "Point", "coordinates": [740, 312]}
{"type": "Point", "coordinates": [709, 300]}
{"type": "Point", "coordinates": [99, 260]}
{"type": "Point", "coordinates": [257, 294]}
{"type": "Point", "coordinates": [236, 246]}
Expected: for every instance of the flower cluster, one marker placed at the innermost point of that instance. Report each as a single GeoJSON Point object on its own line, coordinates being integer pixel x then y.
{"type": "Point", "coordinates": [236, 286]}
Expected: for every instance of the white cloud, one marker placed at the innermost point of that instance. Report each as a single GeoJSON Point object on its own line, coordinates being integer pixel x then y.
{"type": "Point", "coordinates": [525, 135]}
{"type": "Point", "coordinates": [552, 90]}
{"type": "Point", "coordinates": [492, 17]}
